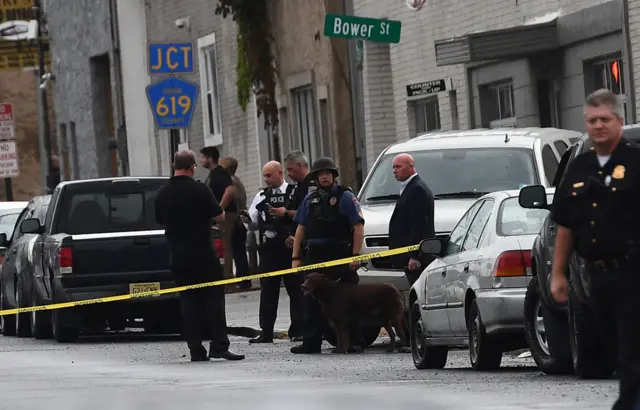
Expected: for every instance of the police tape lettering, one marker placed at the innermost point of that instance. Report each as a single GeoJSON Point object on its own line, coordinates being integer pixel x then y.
{"type": "Point", "coordinates": [306, 268]}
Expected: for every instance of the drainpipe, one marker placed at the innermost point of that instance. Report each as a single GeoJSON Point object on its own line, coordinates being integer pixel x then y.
{"type": "Point", "coordinates": [121, 131]}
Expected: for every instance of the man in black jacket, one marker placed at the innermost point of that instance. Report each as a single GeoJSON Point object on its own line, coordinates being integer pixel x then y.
{"type": "Point", "coordinates": [412, 219]}
{"type": "Point", "coordinates": [185, 208]}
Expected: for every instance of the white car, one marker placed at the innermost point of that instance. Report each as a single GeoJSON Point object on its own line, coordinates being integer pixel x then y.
{"type": "Point", "coordinates": [472, 294]}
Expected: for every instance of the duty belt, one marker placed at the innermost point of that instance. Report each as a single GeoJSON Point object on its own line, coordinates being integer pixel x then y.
{"type": "Point", "coordinates": [609, 264]}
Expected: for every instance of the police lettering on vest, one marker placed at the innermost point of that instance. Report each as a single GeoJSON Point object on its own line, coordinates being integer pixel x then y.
{"type": "Point", "coordinates": [269, 227]}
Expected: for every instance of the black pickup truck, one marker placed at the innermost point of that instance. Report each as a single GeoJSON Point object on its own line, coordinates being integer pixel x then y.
{"type": "Point", "coordinates": [563, 337]}
{"type": "Point", "coordinates": [100, 239]}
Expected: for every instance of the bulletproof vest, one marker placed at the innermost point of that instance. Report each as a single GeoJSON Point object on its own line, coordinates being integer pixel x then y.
{"type": "Point", "coordinates": [324, 218]}
{"type": "Point", "coordinates": [269, 223]}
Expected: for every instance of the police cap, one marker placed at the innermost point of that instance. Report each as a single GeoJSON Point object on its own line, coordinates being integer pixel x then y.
{"type": "Point", "coordinates": [324, 164]}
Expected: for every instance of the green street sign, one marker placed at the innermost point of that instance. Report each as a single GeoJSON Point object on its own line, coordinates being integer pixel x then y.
{"type": "Point", "coordinates": [378, 30]}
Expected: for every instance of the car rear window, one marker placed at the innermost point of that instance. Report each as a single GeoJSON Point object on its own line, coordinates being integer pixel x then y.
{"type": "Point", "coordinates": [514, 220]}
{"type": "Point", "coordinates": [460, 170]}
{"type": "Point", "coordinates": [106, 209]}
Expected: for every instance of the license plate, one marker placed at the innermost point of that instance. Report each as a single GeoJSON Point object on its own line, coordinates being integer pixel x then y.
{"type": "Point", "coordinates": [136, 288]}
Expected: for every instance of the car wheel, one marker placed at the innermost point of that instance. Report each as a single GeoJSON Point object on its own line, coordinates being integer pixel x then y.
{"type": "Point", "coordinates": [40, 321]}
{"type": "Point", "coordinates": [484, 353]}
{"type": "Point", "coordinates": [62, 333]}
{"type": "Point", "coordinates": [592, 358]}
{"type": "Point", "coordinates": [8, 322]}
{"type": "Point", "coordinates": [536, 333]}
{"type": "Point", "coordinates": [424, 356]}
{"type": "Point", "coordinates": [23, 327]}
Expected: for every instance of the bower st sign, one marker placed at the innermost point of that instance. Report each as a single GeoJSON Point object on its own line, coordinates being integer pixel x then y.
{"type": "Point", "coordinates": [354, 27]}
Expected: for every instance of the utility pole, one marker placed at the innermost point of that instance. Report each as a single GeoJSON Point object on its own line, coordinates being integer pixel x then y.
{"type": "Point", "coordinates": [46, 129]}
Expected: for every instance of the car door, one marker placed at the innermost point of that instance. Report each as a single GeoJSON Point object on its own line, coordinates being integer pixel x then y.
{"type": "Point", "coordinates": [10, 264]}
{"type": "Point", "coordinates": [468, 264]}
{"type": "Point", "coordinates": [437, 317]}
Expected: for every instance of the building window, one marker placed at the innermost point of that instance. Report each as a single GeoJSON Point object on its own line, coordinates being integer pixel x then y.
{"type": "Point", "coordinates": [609, 74]}
{"type": "Point", "coordinates": [427, 114]}
{"type": "Point", "coordinates": [210, 95]}
{"type": "Point", "coordinates": [306, 140]}
{"type": "Point", "coordinates": [503, 98]}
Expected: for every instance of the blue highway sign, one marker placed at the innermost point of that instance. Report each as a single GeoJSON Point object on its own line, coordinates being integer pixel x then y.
{"type": "Point", "coordinates": [171, 58]}
{"type": "Point", "coordinates": [172, 102]}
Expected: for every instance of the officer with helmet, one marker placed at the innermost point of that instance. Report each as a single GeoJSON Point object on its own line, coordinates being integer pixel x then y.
{"type": "Point", "coordinates": [330, 221]}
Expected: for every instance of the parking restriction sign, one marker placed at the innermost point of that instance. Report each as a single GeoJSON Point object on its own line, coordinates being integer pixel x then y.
{"type": "Point", "coordinates": [7, 126]}
{"type": "Point", "coordinates": [8, 159]}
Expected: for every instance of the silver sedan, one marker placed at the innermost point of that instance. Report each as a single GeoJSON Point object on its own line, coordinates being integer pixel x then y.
{"type": "Point", "coordinates": [472, 293]}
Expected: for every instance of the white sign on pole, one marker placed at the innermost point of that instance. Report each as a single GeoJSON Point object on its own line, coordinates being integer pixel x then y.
{"type": "Point", "coordinates": [8, 159]}
{"type": "Point", "coordinates": [7, 126]}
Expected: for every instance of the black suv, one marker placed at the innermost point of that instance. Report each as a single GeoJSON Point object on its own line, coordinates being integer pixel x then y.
{"type": "Point", "coordinates": [562, 337]}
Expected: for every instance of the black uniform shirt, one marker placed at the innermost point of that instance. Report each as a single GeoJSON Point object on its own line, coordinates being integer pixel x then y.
{"type": "Point", "coordinates": [600, 203]}
{"type": "Point", "coordinates": [300, 192]}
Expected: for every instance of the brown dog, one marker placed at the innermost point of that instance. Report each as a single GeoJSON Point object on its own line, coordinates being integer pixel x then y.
{"type": "Point", "coordinates": [344, 303]}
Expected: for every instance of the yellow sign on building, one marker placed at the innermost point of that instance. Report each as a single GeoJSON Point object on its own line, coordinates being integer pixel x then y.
{"type": "Point", "coordinates": [18, 55]}
{"type": "Point", "coordinates": [16, 10]}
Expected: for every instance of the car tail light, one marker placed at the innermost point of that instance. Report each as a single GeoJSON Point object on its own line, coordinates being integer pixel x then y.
{"type": "Point", "coordinates": [1, 259]}
{"type": "Point", "coordinates": [65, 260]}
{"type": "Point", "coordinates": [512, 264]}
{"type": "Point", "coordinates": [219, 247]}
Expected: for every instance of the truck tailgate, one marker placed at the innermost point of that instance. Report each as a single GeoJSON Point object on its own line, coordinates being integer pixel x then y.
{"type": "Point", "coordinates": [121, 257]}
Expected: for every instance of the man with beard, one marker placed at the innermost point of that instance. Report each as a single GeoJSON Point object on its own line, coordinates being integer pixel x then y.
{"type": "Point", "coordinates": [331, 222]}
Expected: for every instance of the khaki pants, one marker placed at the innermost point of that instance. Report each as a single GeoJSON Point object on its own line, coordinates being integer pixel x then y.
{"type": "Point", "coordinates": [228, 226]}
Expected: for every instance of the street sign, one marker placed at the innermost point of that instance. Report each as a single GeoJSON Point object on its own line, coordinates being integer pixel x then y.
{"type": "Point", "coordinates": [172, 102]}
{"type": "Point", "coordinates": [8, 160]}
{"type": "Point", "coordinates": [170, 58]}
{"type": "Point", "coordinates": [378, 30]}
{"type": "Point", "coordinates": [426, 87]}
{"type": "Point", "coordinates": [7, 126]}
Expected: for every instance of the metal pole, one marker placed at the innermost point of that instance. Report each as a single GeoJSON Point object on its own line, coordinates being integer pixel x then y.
{"type": "Point", "coordinates": [44, 103]}
{"type": "Point", "coordinates": [8, 188]}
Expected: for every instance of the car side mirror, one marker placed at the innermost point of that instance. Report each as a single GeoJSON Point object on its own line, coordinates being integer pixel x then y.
{"type": "Point", "coordinates": [533, 197]}
{"type": "Point", "coordinates": [31, 225]}
{"type": "Point", "coordinates": [4, 241]}
{"type": "Point", "coordinates": [430, 247]}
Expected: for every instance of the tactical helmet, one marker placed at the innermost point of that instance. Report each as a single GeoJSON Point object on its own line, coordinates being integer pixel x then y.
{"type": "Point", "coordinates": [324, 164]}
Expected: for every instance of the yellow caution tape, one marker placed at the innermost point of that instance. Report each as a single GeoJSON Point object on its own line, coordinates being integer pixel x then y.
{"type": "Point", "coordinates": [305, 268]}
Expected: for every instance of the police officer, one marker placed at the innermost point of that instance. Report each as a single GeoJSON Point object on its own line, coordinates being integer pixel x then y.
{"type": "Point", "coordinates": [274, 245]}
{"type": "Point", "coordinates": [596, 213]}
{"type": "Point", "coordinates": [331, 221]}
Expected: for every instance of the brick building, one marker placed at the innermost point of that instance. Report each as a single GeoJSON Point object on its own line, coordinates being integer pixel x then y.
{"type": "Point", "coordinates": [500, 62]}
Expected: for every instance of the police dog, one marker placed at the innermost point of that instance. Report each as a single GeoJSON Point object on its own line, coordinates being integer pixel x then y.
{"type": "Point", "coordinates": [344, 303]}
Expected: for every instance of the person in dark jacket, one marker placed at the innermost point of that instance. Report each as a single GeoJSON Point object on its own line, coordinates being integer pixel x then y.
{"type": "Point", "coordinates": [412, 218]}
{"type": "Point", "coordinates": [185, 208]}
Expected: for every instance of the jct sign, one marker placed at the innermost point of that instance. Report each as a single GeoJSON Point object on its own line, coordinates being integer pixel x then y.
{"type": "Point", "coordinates": [8, 160]}
{"type": "Point", "coordinates": [7, 126]}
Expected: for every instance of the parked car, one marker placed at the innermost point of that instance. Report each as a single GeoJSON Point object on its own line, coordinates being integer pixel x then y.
{"type": "Point", "coordinates": [99, 239]}
{"type": "Point", "coordinates": [472, 294]}
{"type": "Point", "coordinates": [9, 212]}
{"type": "Point", "coordinates": [562, 337]}
{"type": "Point", "coordinates": [459, 167]}
{"type": "Point", "coordinates": [18, 270]}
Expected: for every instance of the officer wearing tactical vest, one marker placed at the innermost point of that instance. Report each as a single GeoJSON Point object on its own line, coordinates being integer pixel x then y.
{"type": "Point", "coordinates": [274, 246]}
{"type": "Point", "coordinates": [331, 221]}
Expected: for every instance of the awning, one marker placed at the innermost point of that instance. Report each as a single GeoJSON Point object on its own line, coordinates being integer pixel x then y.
{"type": "Point", "coordinates": [498, 44]}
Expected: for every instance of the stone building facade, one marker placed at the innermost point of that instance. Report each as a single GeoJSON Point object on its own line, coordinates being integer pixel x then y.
{"type": "Point", "coordinates": [86, 88]}
{"type": "Point", "coordinates": [218, 119]}
{"type": "Point", "coordinates": [491, 64]}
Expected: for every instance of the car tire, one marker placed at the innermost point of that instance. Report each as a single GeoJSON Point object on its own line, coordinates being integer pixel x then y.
{"type": "Point", "coordinates": [537, 324]}
{"type": "Point", "coordinates": [23, 327]}
{"type": "Point", "coordinates": [592, 359]}
{"type": "Point", "coordinates": [40, 321]}
{"type": "Point", "coordinates": [8, 322]}
{"type": "Point", "coordinates": [484, 352]}
{"type": "Point", "coordinates": [60, 332]}
{"type": "Point", "coordinates": [424, 356]}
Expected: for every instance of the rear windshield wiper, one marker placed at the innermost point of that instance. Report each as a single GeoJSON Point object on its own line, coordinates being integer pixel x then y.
{"type": "Point", "coordinates": [383, 197]}
{"type": "Point", "coordinates": [461, 194]}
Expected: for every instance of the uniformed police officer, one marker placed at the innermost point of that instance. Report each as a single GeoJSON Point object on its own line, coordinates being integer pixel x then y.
{"type": "Point", "coordinates": [331, 221]}
{"type": "Point", "coordinates": [596, 213]}
{"type": "Point", "coordinates": [274, 245]}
